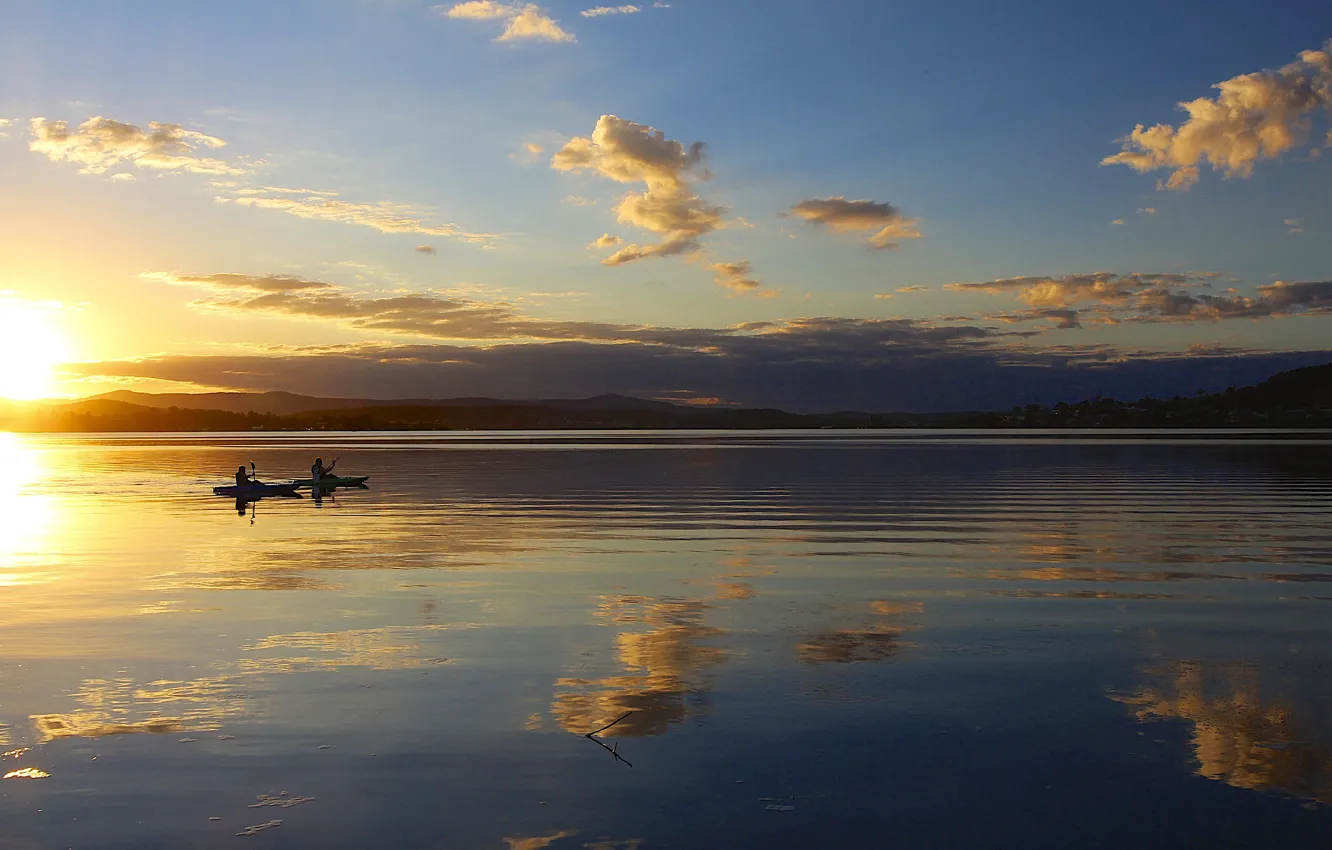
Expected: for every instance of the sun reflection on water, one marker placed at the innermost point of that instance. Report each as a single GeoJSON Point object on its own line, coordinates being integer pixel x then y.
{"type": "Point", "coordinates": [25, 515]}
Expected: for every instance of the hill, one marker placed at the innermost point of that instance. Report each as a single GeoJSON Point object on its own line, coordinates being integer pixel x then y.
{"type": "Point", "coordinates": [1301, 398]}
{"type": "Point", "coordinates": [286, 404]}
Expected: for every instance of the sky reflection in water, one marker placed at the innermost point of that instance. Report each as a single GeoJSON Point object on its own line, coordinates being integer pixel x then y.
{"type": "Point", "coordinates": [1025, 643]}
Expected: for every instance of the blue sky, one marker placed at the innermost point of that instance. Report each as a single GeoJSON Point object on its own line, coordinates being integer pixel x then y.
{"type": "Point", "coordinates": [979, 126]}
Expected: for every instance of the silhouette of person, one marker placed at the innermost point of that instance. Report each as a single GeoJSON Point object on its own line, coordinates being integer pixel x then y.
{"type": "Point", "coordinates": [319, 471]}
{"type": "Point", "coordinates": [242, 477]}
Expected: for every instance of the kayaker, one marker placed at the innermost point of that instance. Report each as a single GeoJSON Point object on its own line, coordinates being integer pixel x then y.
{"type": "Point", "coordinates": [318, 471]}
{"type": "Point", "coordinates": [242, 477]}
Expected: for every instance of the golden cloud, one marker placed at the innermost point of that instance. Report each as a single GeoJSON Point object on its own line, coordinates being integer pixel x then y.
{"type": "Point", "coordinates": [843, 216]}
{"type": "Point", "coordinates": [1256, 116]}
{"type": "Point", "coordinates": [737, 277]}
{"type": "Point", "coordinates": [384, 216]}
{"type": "Point", "coordinates": [626, 152]}
{"type": "Point", "coordinates": [100, 144]}
{"type": "Point", "coordinates": [523, 21]}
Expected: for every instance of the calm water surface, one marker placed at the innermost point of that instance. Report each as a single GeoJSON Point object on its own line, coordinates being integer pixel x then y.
{"type": "Point", "coordinates": [813, 640]}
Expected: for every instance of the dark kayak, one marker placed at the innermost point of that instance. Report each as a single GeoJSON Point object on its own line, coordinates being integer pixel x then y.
{"type": "Point", "coordinates": [330, 481]}
{"type": "Point", "coordinates": [256, 490]}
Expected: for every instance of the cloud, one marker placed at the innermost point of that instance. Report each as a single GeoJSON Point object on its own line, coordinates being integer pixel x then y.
{"type": "Point", "coordinates": [1294, 225]}
{"type": "Point", "coordinates": [601, 11]}
{"type": "Point", "coordinates": [426, 249]}
{"type": "Point", "coordinates": [1147, 210]}
{"type": "Point", "coordinates": [1118, 221]}
{"type": "Point", "coordinates": [481, 10]}
{"type": "Point", "coordinates": [913, 288]}
{"type": "Point", "coordinates": [439, 344]}
{"type": "Point", "coordinates": [606, 240]}
{"type": "Point", "coordinates": [883, 296]}
{"type": "Point", "coordinates": [4, 122]}
{"type": "Point", "coordinates": [257, 283]}
{"type": "Point", "coordinates": [523, 21]}
{"type": "Point", "coordinates": [423, 315]}
{"type": "Point", "coordinates": [100, 144]}
{"type": "Point", "coordinates": [579, 201]}
{"type": "Point", "coordinates": [1063, 319]}
{"type": "Point", "coordinates": [626, 152]}
{"type": "Point", "coordinates": [1256, 116]}
{"type": "Point", "coordinates": [737, 277]}
{"type": "Point", "coordinates": [1148, 298]}
{"type": "Point", "coordinates": [384, 216]}
{"type": "Point", "coordinates": [1315, 296]}
{"type": "Point", "coordinates": [802, 365]}
{"type": "Point", "coordinates": [1102, 287]}
{"type": "Point", "coordinates": [534, 147]}
{"type": "Point", "coordinates": [843, 216]}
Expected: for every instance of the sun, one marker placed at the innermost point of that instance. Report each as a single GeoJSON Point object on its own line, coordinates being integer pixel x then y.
{"type": "Point", "coordinates": [31, 347]}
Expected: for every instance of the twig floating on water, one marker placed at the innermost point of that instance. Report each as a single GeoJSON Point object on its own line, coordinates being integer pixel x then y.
{"type": "Point", "coordinates": [608, 725]}
{"type": "Point", "coordinates": [260, 827]}
{"type": "Point", "coordinates": [615, 750]}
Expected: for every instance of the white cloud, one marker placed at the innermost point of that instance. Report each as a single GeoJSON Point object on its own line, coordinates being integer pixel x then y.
{"type": "Point", "coordinates": [601, 11]}
{"type": "Point", "coordinates": [1118, 221]}
{"type": "Point", "coordinates": [843, 216]}
{"type": "Point", "coordinates": [384, 216]}
{"type": "Point", "coordinates": [481, 10]}
{"type": "Point", "coordinates": [1256, 116]}
{"type": "Point", "coordinates": [1294, 225]}
{"type": "Point", "coordinates": [605, 241]}
{"type": "Point", "coordinates": [635, 153]}
{"type": "Point", "coordinates": [100, 144]}
{"type": "Point", "coordinates": [1147, 210]}
{"type": "Point", "coordinates": [523, 21]}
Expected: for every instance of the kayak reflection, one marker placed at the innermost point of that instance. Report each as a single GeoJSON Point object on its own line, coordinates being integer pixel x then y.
{"type": "Point", "coordinates": [319, 494]}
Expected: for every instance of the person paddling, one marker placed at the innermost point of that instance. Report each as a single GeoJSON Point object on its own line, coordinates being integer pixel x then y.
{"type": "Point", "coordinates": [319, 472]}
{"type": "Point", "coordinates": [242, 477]}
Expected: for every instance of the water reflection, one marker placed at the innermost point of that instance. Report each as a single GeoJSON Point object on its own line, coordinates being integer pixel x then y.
{"type": "Point", "coordinates": [539, 842]}
{"type": "Point", "coordinates": [385, 648]}
{"type": "Point", "coordinates": [664, 680]}
{"type": "Point", "coordinates": [878, 640]}
{"type": "Point", "coordinates": [26, 513]}
{"type": "Point", "coordinates": [945, 603]}
{"type": "Point", "coordinates": [124, 707]}
{"type": "Point", "coordinates": [1240, 734]}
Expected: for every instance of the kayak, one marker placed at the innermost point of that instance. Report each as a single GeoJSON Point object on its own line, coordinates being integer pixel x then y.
{"type": "Point", "coordinates": [256, 491]}
{"type": "Point", "coordinates": [333, 481]}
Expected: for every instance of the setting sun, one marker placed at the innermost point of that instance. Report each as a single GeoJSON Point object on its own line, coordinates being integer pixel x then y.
{"type": "Point", "coordinates": [31, 346]}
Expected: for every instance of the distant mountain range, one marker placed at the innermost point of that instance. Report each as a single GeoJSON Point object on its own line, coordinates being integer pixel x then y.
{"type": "Point", "coordinates": [1297, 399]}
{"type": "Point", "coordinates": [286, 404]}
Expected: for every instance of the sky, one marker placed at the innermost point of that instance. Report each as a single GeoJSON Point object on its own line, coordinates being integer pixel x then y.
{"type": "Point", "coordinates": [869, 205]}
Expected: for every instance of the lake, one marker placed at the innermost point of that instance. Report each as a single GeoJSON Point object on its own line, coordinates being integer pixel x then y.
{"type": "Point", "coordinates": [796, 640]}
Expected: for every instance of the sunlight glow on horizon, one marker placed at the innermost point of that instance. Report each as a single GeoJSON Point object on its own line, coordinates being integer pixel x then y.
{"type": "Point", "coordinates": [32, 345]}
